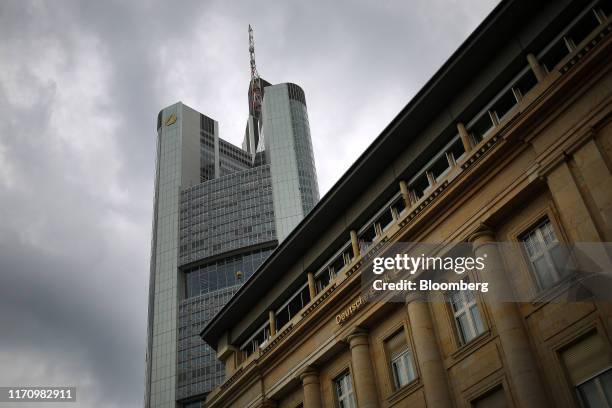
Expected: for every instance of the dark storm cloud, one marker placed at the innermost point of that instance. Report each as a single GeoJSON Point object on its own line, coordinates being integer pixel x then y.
{"type": "Point", "coordinates": [80, 87]}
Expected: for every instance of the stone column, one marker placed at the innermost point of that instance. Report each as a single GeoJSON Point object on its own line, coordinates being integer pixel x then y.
{"type": "Point", "coordinates": [465, 137]}
{"type": "Point", "coordinates": [355, 243]}
{"type": "Point", "coordinates": [272, 321]}
{"type": "Point", "coordinates": [574, 212]}
{"type": "Point", "coordinates": [363, 372]}
{"type": "Point", "coordinates": [589, 164]}
{"type": "Point", "coordinates": [537, 69]}
{"type": "Point", "coordinates": [312, 388]}
{"type": "Point", "coordinates": [312, 287]}
{"type": "Point", "coordinates": [405, 193]}
{"type": "Point", "coordinates": [519, 359]}
{"type": "Point", "coordinates": [433, 374]}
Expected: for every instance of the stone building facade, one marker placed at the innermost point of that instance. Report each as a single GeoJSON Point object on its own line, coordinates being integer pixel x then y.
{"type": "Point", "coordinates": [511, 141]}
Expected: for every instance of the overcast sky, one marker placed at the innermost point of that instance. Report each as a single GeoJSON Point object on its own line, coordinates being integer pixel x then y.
{"type": "Point", "coordinates": [81, 84]}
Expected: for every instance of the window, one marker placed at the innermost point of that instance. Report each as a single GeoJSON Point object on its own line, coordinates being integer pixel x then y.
{"type": "Point", "coordinates": [504, 104]}
{"type": "Point", "coordinates": [344, 391]}
{"type": "Point", "coordinates": [385, 220]}
{"type": "Point", "coordinates": [324, 276]}
{"type": "Point", "coordinates": [467, 316]}
{"type": "Point", "coordinates": [604, 9]}
{"type": "Point", "coordinates": [256, 341]}
{"type": "Point", "coordinates": [292, 308]}
{"type": "Point", "coordinates": [524, 84]}
{"type": "Point", "coordinates": [398, 206]}
{"type": "Point", "coordinates": [492, 399]}
{"type": "Point", "coordinates": [597, 392]}
{"type": "Point", "coordinates": [546, 256]}
{"type": "Point", "coordinates": [480, 127]}
{"type": "Point", "coordinates": [401, 360]}
{"type": "Point", "coordinates": [419, 186]}
{"type": "Point", "coordinates": [589, 369]}
{"type": "Point", "coordinates": [582, 28]}
{"type": "Point", "coordinates": [456, 150]}
{"type": "Point", "coordinates": [440, 168]}
{"type": "Point", "coordinates": [366, 238]}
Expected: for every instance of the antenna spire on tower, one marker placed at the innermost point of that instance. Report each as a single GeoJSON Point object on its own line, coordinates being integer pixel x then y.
{"type": "Point", "coordinates": [255, 80]}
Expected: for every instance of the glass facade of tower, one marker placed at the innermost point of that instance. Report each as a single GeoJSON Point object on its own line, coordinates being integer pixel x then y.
{"type": "Point", "coordinates": [174, 168]}
{"type": "Point", "coordinates": [217, 215]}
{"type": "Point", "coordinates": [286, 135]}
{"type": "Point", "coordinates": [232, 212]}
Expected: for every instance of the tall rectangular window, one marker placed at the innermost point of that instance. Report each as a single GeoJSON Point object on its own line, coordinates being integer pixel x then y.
{"type": "Point", "coordinates": [466, 315]}
{"type": "Point", "coordinates": [589, 369]}
{"type": "Point", "coordinates": [400, 359]}
{"type": "Point", "coordinates": [545, 254]}
{"type": "Point", "coordinates": [492, 399]}
{"type": "Point", "coordinates": [597, 392]}
{"type": "Point", "coordinates": [345, 396]}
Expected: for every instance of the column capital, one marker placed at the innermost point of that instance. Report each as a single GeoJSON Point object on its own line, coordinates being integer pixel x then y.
{"type": "Point", "coordinates": [482, 235]}
{"type": "Point", "coordinates": [225, 352]}
{"type": "Point", "coordinates": [416, 296]}
{"type": "Point", "coordinates": [309, 375]}
{"type": "Point", "coordinates": [358, 337]}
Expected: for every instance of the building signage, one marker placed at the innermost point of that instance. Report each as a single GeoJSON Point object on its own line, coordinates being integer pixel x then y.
{"type": "Point", "coordinates": [171, 119]}
{"type": "Point", "coordinates": [347, 313]}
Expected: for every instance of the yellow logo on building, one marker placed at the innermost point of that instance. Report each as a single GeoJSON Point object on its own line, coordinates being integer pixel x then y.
{"type": "Point", "coordinates": [171, 119]}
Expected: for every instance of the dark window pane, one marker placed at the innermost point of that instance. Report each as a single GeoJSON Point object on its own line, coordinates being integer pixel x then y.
{"type": "Point", "coordinates": [554, 55]}
{"type": "Point", "coordinates": [526, 82]}
{"type": "Point", "coordinates": [399, 205]}
{"type": "Point", "coordinates": [456, 149]}
{"type": "Point", "coordinates": [385, 219]}
{"type": "Point", "coordinates": [605, 6]}
{"type": "Point", "coordinates": [480, 128]}
{"type": "Point", "coordinates": [503, 105]}
{"type": "Point", "coordinates": [439, 167]}
{"type": "Point", "coordinates": [420, 185]}
{"type": "Point", "coordinates": [583, 28]}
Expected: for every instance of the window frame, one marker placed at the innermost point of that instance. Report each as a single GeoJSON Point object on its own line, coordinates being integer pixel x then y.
{"type": "Point", "coordinates": [352, 397]}
{"type": "Point", "coordinates": [406, 351]}
{"type": "Point", "coordinates": [466, 310]}
{"type": "Point", "coordinates": [327, 268]}
{"type": "Point", "coordinates": [535, 227]}
{"type": "Point", "coordinates": [600, 390]}
{"type": "Point", "coordinates": [592, 7]}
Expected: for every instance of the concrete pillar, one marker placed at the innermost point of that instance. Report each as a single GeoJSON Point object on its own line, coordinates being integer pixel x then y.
{"type": "Point", "coordinates": [355, 243]}
{"type": "Point", "coordinates": [537, 69]}
{"type": "Point", "coordinates": [575, 214]}
{"type": "Point", "coordinates": [433, 374]}
{"type": "Point", "coordinates": [593, 177]}
{"type": "Point", "coordinates": [272, 320]}
{"type": "Point", "coordinates": [363, 372]}
{"type": "Point", "coordinates": [312, 287]}
{"type": "Point", "coordinates": [405, 193]}
{"type": "Point", "coordinates": [464, 136]}
{"type": "Point", "coordinates": [430, 178]}
{"type": "Point", "coordinates": [312, 389]}
{"type": "Point", "coordinates": [519, 359]}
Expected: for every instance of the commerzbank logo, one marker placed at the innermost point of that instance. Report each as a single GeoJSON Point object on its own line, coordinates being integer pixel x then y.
{"type": "Point", "coordinates": [170, 120]}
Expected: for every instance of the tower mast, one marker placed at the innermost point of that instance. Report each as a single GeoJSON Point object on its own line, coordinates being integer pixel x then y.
{"type": "Point", "coordinates": [255, 80]}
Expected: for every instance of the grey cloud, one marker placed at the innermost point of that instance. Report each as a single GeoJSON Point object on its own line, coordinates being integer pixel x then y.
{"type": "Point", "coordinates": [80, 87]}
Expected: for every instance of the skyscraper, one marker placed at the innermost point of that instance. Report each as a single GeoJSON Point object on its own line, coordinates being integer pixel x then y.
{"type": "Point", "coordinates": [219, 210]}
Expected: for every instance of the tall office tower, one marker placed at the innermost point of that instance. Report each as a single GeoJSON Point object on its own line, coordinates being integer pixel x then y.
{"type": "Point", "coordinates": [219, 212]}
